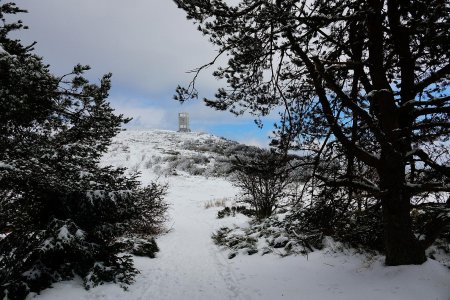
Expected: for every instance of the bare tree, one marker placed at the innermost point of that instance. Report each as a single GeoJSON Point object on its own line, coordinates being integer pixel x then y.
{"type": "Point", "coordinates": [264, 181]}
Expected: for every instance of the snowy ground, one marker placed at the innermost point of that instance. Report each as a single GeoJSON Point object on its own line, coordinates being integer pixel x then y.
{"type": "Point", "coordinates": [190, 266]}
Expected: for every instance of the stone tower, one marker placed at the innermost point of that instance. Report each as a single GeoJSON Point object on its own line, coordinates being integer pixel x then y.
{"type": "Point", "coordinates": [183, 122]}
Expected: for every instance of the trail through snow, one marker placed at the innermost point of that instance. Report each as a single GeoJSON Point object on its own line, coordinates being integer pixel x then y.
{"type": "Point", "coordinates": [190, 267]}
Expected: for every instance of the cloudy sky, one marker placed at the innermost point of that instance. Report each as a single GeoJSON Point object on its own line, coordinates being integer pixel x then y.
{"type": "Point", "coordinates": [149, 46]}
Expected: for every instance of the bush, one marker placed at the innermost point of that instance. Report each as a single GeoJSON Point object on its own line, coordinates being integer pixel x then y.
{"type": "Point", "coordinates": [264, 180]}
{"type": "Point", "coordinates": [151, 211]}
{"type": "Point", "coordinates": [332, 214]}
{"type": "Point", "coordinates": [231, 211]}
{"type": "Point", "coordinates": [139, 246]}
{"type": "Point", "coordinates": [235, 242]}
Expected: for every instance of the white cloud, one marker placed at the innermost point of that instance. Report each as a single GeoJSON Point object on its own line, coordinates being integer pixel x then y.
{"type": "Point", "coordinates": [148, 117]}
{"type": "Point", "coordinates": [148, 45]}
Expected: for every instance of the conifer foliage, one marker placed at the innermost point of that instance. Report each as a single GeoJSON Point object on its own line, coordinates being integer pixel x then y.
{"type": "Point", "coordinates": [60, 212]}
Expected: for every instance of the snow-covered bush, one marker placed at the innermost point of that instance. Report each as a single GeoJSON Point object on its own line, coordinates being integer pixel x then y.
{"type": "Point", "coordinates": [263, 237]}
{"type": "Point", "coordinates": [139, 246]}
{"type": "Point", "coordinates": [358, 229]}
{"type": "Point", "coordinates": [235, 241]}
{"type": "Point", "coordinates": [233, 210]}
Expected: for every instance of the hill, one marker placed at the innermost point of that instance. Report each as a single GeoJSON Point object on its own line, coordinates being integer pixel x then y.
{"type": "Point", "coordinates": [163, 152]}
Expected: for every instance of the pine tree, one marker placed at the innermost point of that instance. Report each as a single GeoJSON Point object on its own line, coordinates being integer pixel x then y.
{"type": "Point", "coordinates": [60, 211]}
{"type": "Point", "coordinates": [369, 75]}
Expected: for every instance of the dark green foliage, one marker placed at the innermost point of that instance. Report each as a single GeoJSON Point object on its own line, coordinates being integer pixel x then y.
{"type": "Point", "coordinates": [139, 246]}
{"type": "Point", "coordinates": [225, 212]}
{"type": "Point", "coordinates": [220, 236]}
{"type": "Point", "coordinates": [117, 269]}
{"type": "Point", "coordinates": [260, 237]}
{"type": "Point", "coordinates": [148, 249]}
{"type": "Point", "coordinates": [61, 211]}
{"type": "Point", "coordinates": [152, 210]}
{"type": "Point", "coordinates": [357, 229]}
{"type": "Point", "coordinates": [235, 242]}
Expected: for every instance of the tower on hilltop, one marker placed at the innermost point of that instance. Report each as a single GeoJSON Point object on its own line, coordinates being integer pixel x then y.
{"type": "Point", "coordinates": [183, 122]}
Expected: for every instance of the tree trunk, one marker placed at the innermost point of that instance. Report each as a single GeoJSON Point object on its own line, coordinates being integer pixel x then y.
{"type": "Point", "coordinates": [402, 247]}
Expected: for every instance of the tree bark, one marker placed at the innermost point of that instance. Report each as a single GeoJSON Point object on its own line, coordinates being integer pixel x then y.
{"type": "Point", "coordinates": [402, 247]}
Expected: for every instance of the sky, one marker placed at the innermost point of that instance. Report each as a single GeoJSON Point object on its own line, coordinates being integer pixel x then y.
{"type": "Point", "coordinates": [149, 46]}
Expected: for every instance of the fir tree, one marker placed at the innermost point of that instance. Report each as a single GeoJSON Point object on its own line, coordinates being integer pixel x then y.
{"type": "Point", "coordinates": [61, 212]}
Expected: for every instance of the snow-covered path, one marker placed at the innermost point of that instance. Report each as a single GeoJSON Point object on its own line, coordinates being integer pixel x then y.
{"type": "Point", "coordinates": [189, 265]}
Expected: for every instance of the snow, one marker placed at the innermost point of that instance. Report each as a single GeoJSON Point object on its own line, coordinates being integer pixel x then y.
{"type": "Point", "coordinates": [281, 240]}
{"type": "Point", "coordinates": [190, 266]}
{"type": "Point", "coordinates": [4, 165]}
{"type": "Point", "coordinates": [79, 233]}
{"type": "Point", "coordinates": [64, 234]}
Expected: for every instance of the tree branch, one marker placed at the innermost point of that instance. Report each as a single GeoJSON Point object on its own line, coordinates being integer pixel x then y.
{"type": "Point", "coordinates": [432, 78]}
{"type": "Point", "coordinates": [444, 170]}
{"type": "Point", "coordinates": [363, 155]}
{"type": "Point", "coordinates": [431, 110]}
{"type": "Point", "coordinates": [366, 186]}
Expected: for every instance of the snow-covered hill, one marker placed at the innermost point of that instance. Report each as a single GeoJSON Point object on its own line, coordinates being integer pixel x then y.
{"type": "Point", "coordinates": [190, 266]}
{"type": "Point", "coordinates": [163, 152]}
